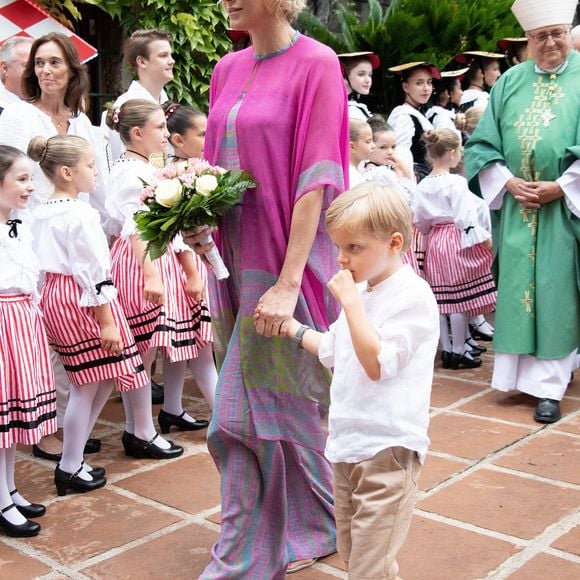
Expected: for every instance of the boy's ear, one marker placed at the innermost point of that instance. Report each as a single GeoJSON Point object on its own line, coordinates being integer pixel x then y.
{"type": "Point", "coordinates": [396, 242]}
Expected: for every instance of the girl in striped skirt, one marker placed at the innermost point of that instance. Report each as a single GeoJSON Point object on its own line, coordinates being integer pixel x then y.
{"type": "Point", "coordinates": [27, 392]}
{"type": "Point", "coordinates": [458, 249]}
{"type": "Point", "coordinates": [152, 293]}
{"type": "Point", "coordinates": [84, 323]}
{"type": "Point", "coordinates": [186, 128]}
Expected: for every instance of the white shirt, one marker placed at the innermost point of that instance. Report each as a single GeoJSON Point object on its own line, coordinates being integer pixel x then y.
{"type": "Point", "coordinates": [7, 97]}
{"type": "Point", "coordinates": [19, 271]}
{"type": "Point", "coordinates": [367, 416]}
{"type": "Point", "coordinates": [442, 118]}
{"type": "Point", "coordinates": [404, 128]}
{"type": "Point", "coordinates": [22, 121]}
{"type": "Point", "coordinates": [475, 98]}
{"type": "Point", "coordinates": [385, 175]}
{"type": "Point", "coordinates": [354, 176]}
{"type": "Point", "coordinates": [124, 198]}
{"type": "Point", "coordinates": [70, 241]}
{"type": "Point", "coordinates": [441, 199]}
{"type": "Point", "coordinates": [358, 110]}
{"type": "Point", "coordinates": [135, 91]}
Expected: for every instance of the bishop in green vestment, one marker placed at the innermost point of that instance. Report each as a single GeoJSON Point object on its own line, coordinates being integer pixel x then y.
{"type": "Point", "coordinates": [523, 159]}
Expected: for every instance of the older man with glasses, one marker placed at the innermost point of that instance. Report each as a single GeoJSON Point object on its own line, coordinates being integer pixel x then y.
{"type": "Point", "coordinates": [523, 159]}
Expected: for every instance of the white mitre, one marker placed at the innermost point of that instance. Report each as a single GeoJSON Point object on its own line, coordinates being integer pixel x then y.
{"type": "Point", "coordinates": [532, 14]}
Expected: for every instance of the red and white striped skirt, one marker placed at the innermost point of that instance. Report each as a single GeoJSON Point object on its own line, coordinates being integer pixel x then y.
{"type": "Point", "coordinates": [179, 327]}
{"type": "Point", "coordinates": [460, 278]}
{"type": "Point", "coordinates": [415, 254]}
{"type": "Point", "coordinates": [27, 393]}
{"type": "Point", "coordinates": [75, 335]}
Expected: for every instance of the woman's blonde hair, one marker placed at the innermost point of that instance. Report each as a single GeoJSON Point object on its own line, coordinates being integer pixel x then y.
{"type": "Point", "coordinates": [440, 141]}
{"type": "Point", "coordinates": [467, 122]}
{"type": "Point", "coordinates": [374, 208]}
{"type": "Point", "coordinates": [289, 8]}
{"type": "Point", "coordinates": [57, 151]}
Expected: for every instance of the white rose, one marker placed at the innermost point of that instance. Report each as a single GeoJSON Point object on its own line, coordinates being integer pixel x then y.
{"type": "Point", "coordinates": [205, 184]}
{"type": "Point", "coordinates": [168, 192]}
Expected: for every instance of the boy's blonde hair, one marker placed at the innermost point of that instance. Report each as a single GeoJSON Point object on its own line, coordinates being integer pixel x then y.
{"type": "Point", "coordinates": [374, 208]}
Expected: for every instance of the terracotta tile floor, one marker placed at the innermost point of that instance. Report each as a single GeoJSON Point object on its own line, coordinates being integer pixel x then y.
{"type": "Point", "coordinates": [500, 498]}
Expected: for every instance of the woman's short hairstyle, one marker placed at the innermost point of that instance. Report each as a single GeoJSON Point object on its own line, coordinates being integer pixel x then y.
{"type": "Point", "coordinates": [8, 155]}
{"type": "Point", "coordinates": [77, 90]}
{"type": "Point", "coordinates": [289, 8]}
{"type": "Point", "coordinates": [376, 209]}
{"type": "Point", "coordinates": [133, 113]}
{"type": "Point", "coordinates": [138, 44]}
{"type": "Point", "coordinates": [57, 151]}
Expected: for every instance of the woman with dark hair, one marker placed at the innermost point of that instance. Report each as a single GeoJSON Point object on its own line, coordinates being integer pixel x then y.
{"type": "Point", "coordinates": [484, 70]}
{"type": "Point", "coordinates": [408, 120]}
{"type": "Point", "coordinates": [56, 87]}
{"type": "Point", "coordinates": [357, 68]}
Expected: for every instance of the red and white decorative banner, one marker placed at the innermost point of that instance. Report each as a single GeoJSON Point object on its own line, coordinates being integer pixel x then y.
{"type": "Point", "coordinates": [24, 18]}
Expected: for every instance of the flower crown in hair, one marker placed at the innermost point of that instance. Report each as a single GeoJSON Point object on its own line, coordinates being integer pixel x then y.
{"type": "Point", "coordinates": [171, 110]}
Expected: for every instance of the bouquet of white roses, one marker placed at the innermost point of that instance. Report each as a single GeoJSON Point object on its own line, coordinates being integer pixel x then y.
{"type": "Point", "coordinates": [185, 196]}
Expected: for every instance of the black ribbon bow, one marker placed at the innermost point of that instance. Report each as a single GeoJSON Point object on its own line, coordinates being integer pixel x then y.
{"type": "Point", "coordinates": [100, 285]}
{"type": "Point", "coordinates": [13, 231]}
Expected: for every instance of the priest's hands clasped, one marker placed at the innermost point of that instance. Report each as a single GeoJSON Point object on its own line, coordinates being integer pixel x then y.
{"type": "Point", "coordinates": [534, 194]}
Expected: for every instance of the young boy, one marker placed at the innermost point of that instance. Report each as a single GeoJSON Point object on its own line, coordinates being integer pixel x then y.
{"type": "Point", "coordinates": [382, 349]}
{"type": "Point", "coordinates": [148, 54]}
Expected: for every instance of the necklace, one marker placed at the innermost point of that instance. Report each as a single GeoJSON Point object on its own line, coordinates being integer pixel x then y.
{"type": "Point", "coordinates": [279, 51]}
{"type": "Point", "coordinates": [57, 120]}
{"type": "Point", "coordinates": [137, 153]}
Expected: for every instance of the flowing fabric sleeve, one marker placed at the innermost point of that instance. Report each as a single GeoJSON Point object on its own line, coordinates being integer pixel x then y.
{"type": "Point", "coordinates": [320, 156]}
{"type": "Point", "coordinates": [89, 257]}
{"type": "Point", "coordinates": [122, 203]}
{"type": "Point", "coordinates": [13, 127]}
{"type": "Point", "coordinates": [485, 144]}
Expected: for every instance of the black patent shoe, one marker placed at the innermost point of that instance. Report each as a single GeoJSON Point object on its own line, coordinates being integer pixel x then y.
{"type": "Point", "coordinates": [547, 411]}
{"type": "Point", "coordinates": [157, 393]}
{"type": "Point", "coordinates": [34, 510]}
{"type": "Point", "coordinates": [474, 348]}
{"type": "Point", "coordinates": [445, 359]}
{"type": "Point", "coordinates": [167, 420]}
{"type": "Point", "coordinates": [93, 445]}
{"type": "Point", "coordinates": [25, 530]}
{"type": "Point", "coordinates": [148, 450]}
{"type": "Point", "coordinates": [95, 472]}
{"type": "Point", "coordinates": [127, 441]}
{"type": "Point", "coordinates": [479, 334]}
{"type": "Point", "coordinates": [72, 482]}
{"type": "Point", "coordinates": [38, 452]}
{"type": "Point", "coordinates": [460, 361]}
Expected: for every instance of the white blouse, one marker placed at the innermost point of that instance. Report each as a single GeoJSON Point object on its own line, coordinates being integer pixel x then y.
{"type": "Point", "coordinates": [385, 175]}
{"type": "Point", "coordinates": [445, 198]}
{"type": "Point", "coordinates": [367, 416]}
{"type": "Point", "coordinates": [474, 98]}
{"type": "Point", "coordinates": [22, 121]}
{"type": "Point", "coordinates": [124, 198]}
{"type": "Point", "coordinates": [70, 241]}
{"type": "Point", "coordinates": [20, 270]}
{"type": "Point", "coordinates": [404, 128]}
{"type": "Point", "coordinates": [442, 118]}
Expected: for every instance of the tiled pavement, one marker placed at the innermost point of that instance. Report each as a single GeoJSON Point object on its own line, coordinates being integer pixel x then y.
{"type": "Point", "coordinates": [500, 499]}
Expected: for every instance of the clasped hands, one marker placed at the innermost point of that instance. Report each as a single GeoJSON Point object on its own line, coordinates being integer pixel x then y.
{"type": "Point", "coordinates": [533, 194]}
{"type": "Point", "coordinates": [275, 309]}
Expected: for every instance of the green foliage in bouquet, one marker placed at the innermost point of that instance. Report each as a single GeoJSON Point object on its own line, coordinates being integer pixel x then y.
{"type": "Point", "coordinates": [159, 224]}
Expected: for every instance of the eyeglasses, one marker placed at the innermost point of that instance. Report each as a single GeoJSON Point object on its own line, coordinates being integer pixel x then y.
{"type": "Point", "coordinates": [555, 35]}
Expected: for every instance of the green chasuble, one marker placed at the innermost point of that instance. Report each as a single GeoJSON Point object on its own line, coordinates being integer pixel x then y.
{"type": "Point", "coordinates": [532, 124]}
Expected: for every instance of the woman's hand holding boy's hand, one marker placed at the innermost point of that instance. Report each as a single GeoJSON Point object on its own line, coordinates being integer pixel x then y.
{"type": "Point", "coordinates": [111, 339]}
{"type": "Point", "coordinates": [343, 288]}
